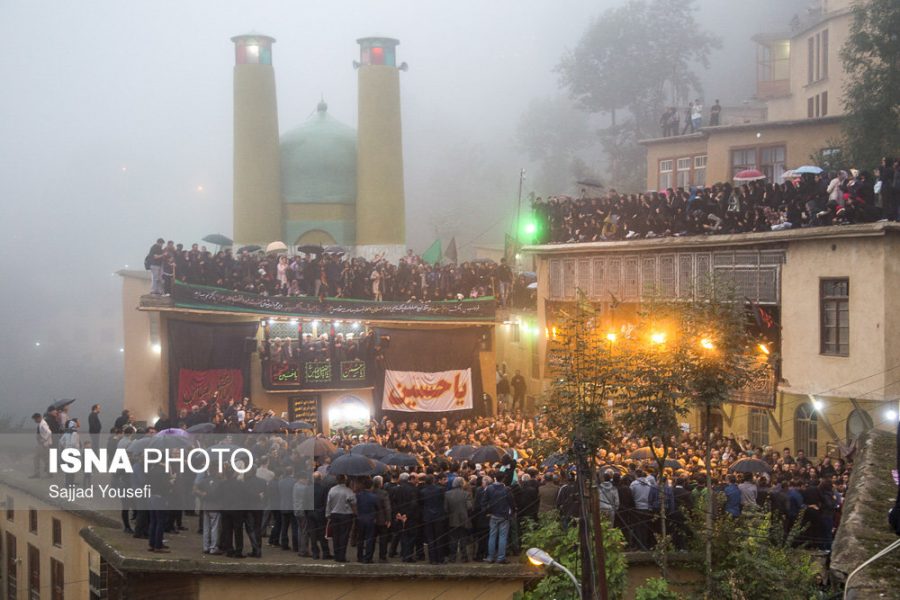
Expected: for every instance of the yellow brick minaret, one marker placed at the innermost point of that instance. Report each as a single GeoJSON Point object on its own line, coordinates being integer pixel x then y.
{"type": "Point", "coordinates": [257, 180]}
{"type": "Point", "coordinates": [380, 202]}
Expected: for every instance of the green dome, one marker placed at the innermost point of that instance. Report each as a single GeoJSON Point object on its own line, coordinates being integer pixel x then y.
{"type": "Point", "coordinates": [318, 161]}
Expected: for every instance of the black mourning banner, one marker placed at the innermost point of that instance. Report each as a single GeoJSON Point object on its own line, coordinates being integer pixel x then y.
{"type": "Point", "coordinates": [430, 351]}
{"type": "Point", "coordinates": [210, 298]}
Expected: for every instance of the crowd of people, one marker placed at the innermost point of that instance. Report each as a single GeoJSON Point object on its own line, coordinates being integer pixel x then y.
{"type": "Point", "coordinates": [669, 121]}
{"type": "Point", "coordinates": [836, 198]}
{"type": "Point", "coordinates": [333, 275]}
{"type": "Point", "coordinates": [450, 503]}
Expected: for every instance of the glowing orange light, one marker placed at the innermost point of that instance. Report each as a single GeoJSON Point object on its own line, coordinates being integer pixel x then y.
{"type": "Point", "coordinates": [658, 338]}
{"type": "Point", "coordinates": [707, 344]}
{"type": "Point", "coordinates": [764, 349]}
{"type": "Point", "coordinates": [612, 337]}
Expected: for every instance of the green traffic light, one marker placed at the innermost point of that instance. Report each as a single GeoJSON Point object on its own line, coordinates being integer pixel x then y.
{"type": "Point", "coordinates": [530, 228]}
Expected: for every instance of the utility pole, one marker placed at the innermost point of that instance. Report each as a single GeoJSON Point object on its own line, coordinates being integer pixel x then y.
{"type": "Point", "coordinates": [517, 225]}
{"type": "Point", "coordinates": [584, 525]}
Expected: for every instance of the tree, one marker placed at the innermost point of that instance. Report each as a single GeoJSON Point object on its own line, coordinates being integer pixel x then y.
{"type": "Point", "coordinates": [562, 544]}
{"type": "Point", "coordinates": [576, 411]}
{"type": "Point", "coordinates": [754, 559]}
{"type": "Point", "coordinates": [552, 132]}
{"type": "Point", "coordinates": [871, 60]}
{"type": "Point", "coordinates": [636, 58]}
{"type": "Point", "coordinates": [680, 354]}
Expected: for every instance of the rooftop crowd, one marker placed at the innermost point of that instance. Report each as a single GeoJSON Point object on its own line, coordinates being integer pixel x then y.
{"type": "Point", "coordinates": [333, 275]}
{"type": "Point", "coordinates": [448, 503]}
{"type": "Point", "coordinates": [836, 198]}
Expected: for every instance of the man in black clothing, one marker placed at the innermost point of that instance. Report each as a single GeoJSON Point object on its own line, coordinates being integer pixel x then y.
{"type": "Point", "coordinates": [433, 516]}
{"type": "Point", "coordinates": [518, 389]}
{"type": "Point", "coordinates": [123, 420]}
{"type": "Point", "coordinates": [315, 519]}
{"type": "Point", "coordinates": [715, 113]}
{"type": "Point", "coordinates": [153, 263]}
{"type": "Point", "coordinates": [888, 195]}
{"type": "Point", "coordinates": [95, 427]}
{"type": "Point", "coordinates": [405, 506]}
{"type": "Point", "coordinates": [52, 419]}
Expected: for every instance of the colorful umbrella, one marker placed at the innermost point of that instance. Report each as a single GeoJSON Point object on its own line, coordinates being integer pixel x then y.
{"type": "Point", "coordinates": [749, 175]}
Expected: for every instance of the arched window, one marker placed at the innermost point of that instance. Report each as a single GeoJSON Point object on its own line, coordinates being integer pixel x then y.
{"type": "Point", "coordinates": [315, 236]}
{"type": "Point", "coordinates": [858, 423]}
{"type": "Point", "coordinates": [806, 430]}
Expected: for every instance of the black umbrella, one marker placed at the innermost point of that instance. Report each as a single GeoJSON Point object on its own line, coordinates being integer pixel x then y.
{"type": "Point", "coordinates": [401, 459]}
{"type": "Point", "coordinates": [218, 239]}
{"type": "Point", "coordinates": [270, 425]}
{"type": "Point", "coordinates": [62, 403]}
{"type": "Point", "coordinates": [317, 447]}
{"type": "Point", "coordinates": [371, 450]}
{"type": "Point", "coordinates": [334, 250]}
{"type": "Point", "coordinates": [338, 452]}
{"type": "Point", "coordinates": [750, 465]}
{"type": "Point", "coordinates": [169, 442]}
{"type": "Point", "coordinates": [250, 248]}
{"type": "Point", "coordinates": [485, 260]}
{"type": "Point", "coordinates": [555, 460]}
{"type": "Point", "coordinates": [354, 465]}
{"type": "Point", "coordinates": [295, 425]}
{"type": "Point", "coordinates": [487, 454]}
{"type": "Point", "coordinates": [202, 428]}
{"type": "Point", "coordinates": [137, 446]}
{"type": "Point", "coordinates": [590, 182]}
{"type": "Point", "coordinates": [644, 453]}
{"type": "Point", "coordinates": [461, 452]}
{"type": "Point", "coordinates": [310, 249]}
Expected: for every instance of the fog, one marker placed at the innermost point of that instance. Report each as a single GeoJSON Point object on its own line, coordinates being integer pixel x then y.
{"type": "Point", "coordinates": [116, 129]}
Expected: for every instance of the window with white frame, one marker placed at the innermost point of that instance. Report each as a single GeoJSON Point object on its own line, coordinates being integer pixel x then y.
{"type": "Point", "coordinates": [665, 174]}
{"type": "Point", "coordinates": [700, 170]}
{"type": "Point", "coordinates": [683, 179]}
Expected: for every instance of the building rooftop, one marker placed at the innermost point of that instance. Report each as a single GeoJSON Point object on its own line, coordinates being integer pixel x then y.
{"type": "Point", "coordinates": [715, 241]}
{"type": "Point", "coordinates": [705, 132]}
{"type": "Point", "coordinates": [864, 528]}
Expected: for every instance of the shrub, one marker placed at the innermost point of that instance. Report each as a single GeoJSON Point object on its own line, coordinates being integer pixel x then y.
{"type": "Point", "coordinates": [548, 534]}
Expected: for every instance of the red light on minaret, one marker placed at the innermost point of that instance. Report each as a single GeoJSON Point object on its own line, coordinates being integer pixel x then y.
{"type": "Point", "coordinates": [377, 56]}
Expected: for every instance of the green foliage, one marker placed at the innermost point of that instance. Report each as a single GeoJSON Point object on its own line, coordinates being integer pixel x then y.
{"type": "Point", "coordinates": [655, 589]}
{"type": "Point", "coordinates": [752, 558]}
{"type": "Point", "coordinates": [871, 60]}
{"type": "Point", "coordinates": [548, 535]}
{"type": "Point", "coordinates": [621, 63]}
{"type": "Point", "coordinates": [579, 363]}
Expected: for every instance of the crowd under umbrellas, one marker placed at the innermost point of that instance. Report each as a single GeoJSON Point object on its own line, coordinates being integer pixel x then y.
{"type": "Point", "coordinates": [317, 494]}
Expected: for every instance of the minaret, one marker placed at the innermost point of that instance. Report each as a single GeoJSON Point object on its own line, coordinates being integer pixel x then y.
{"type": "Point", "coordinates": [380, 203]}
{"type": "Point", "coordinates": [257, 178]}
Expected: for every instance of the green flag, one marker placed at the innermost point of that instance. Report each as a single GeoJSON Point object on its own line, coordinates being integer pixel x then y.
{"type": "Point", "coordinates": [450, 252]}
{"type": "Point", "coordinates": [433, 254]}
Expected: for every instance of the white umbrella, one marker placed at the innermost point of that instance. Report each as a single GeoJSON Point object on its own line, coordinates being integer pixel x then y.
{"type": "Point", "coordinates": [276, 247]}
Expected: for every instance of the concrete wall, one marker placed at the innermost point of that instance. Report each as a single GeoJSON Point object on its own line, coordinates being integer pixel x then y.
{"type": "Point", "coordinates": [794, 106]}
{"type": "Point", "coordinates": [804, 368]}
{"type": "Point", "coordinates": [73, 552]}
{"type": "Point", "coordinates": [146, 385]}
{"type": "Point", "coordinates": [411, 588]}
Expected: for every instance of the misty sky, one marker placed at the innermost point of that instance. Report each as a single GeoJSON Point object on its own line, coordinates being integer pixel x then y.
{"type": "Point", "coordinates": [115, 115]}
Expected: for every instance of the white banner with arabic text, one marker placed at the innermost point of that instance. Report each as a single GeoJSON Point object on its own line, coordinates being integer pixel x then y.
{"type": "Point", "coordinates": [415, 391]}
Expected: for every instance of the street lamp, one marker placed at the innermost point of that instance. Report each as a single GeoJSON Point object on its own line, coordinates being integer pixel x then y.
{"type": "Point", "coordinates": [538, 557]}
{"type": "Point", "coordinates": [658, 338]}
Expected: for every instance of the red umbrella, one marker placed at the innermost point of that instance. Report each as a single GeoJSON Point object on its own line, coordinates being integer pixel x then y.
{"type": "Point", "coordinates": [749, 175]}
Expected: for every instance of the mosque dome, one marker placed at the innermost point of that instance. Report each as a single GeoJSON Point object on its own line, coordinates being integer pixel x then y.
{"type": "Point", "coordinates": [318, 161]}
